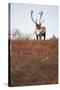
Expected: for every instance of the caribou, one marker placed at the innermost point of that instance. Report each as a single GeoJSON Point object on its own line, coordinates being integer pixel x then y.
{"type": "Point", "coordinates": [40, 30]}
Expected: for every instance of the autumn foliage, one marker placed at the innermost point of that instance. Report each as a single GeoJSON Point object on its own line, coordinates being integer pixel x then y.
{"type": "Point", "coordinates": [33, 62]}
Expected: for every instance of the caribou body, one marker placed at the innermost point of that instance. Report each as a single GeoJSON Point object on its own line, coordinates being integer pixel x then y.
{"type": "Point", "coordinates": [40, 30]}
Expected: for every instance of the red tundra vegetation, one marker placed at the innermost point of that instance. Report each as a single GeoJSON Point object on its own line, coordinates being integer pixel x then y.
{"type": "Point", "coordinates": [33, 62]}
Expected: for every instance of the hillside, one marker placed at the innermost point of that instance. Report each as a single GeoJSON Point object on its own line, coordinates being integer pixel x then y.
{"type": "Point", "coordinates": [33, 62]}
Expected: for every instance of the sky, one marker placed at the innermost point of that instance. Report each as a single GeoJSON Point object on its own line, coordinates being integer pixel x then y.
{"type": "Point", "coordinates": [21, 18]}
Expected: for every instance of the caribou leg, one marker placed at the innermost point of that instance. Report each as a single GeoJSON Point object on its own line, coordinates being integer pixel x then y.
{"type": "Point", "coordinates": [37, 37]}
{"type": "Point", "coordinates": [44, 36]}
{"type": "Point", "coordinates": [40, 37]}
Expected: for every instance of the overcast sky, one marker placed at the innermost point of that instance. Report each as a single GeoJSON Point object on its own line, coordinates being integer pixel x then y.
{"type": "Point", "coordinates": [21, 18]}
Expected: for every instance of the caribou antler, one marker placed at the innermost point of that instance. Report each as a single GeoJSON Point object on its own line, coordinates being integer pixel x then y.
{"type": "Point", "coordinates": [40, 13]}
{"type": "Point", "coordinates": [42, 21]}
{"type": "Point", "coordinates": [32, 17]}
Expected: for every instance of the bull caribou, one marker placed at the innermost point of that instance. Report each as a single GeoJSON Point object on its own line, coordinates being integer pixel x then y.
{"type": "Point", "coordinates": [40, 30]}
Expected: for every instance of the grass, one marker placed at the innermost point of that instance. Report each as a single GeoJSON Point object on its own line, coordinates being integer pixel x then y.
{"type": "Point", "coordinates": [34, 62]}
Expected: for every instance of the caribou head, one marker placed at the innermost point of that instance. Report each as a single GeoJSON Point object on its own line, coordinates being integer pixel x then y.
{"type": "Point", "coordinates": [40, 30]}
